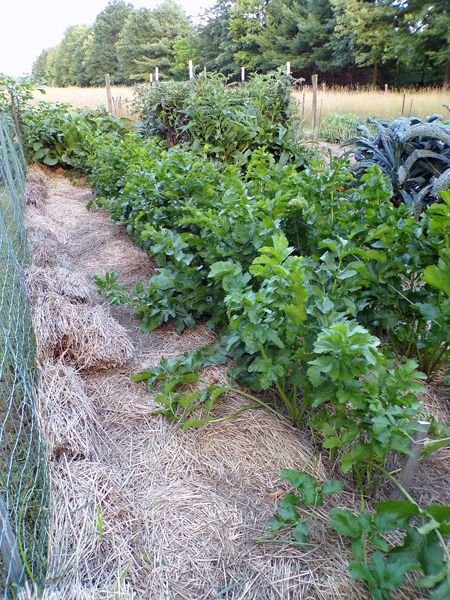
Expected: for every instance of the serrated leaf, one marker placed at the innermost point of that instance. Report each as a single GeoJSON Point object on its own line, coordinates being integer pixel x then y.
{"type": "Point", "coordinates": [394, 514]}
{"type": "Point", "coordinates": [358, 570]}
{"type": "Point", "coordinates": [195, 422]}
{"type": "Point", "coordinates": [431, 580]}
{"type": "Point", "coordinates": [275, 524]}
{"type": "Point", "coordinates": [345, 522]}
{"type": "Point", "coordinates": [287, 510]}
{"type": "Point", "coordinates": [332, 486]}
{"type": "Point", "coordinates": [301, 533]}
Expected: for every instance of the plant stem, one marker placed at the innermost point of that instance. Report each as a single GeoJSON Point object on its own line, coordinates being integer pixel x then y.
{"type": "Point", "coordinates": [400, 487]}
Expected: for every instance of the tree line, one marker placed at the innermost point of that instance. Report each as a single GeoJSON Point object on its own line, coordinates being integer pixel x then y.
{"type": "Point", "coordinates": [400, 42]}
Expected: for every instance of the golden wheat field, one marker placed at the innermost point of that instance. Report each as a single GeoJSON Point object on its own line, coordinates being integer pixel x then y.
{"type": "Point", "coordinates": [362, 103]}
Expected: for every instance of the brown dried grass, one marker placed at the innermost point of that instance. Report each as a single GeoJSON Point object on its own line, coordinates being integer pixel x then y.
{"type": "Point", "coordinates": [36, 188]}
{"type": "Point", "coordinates": [46, 249]}
{"type": "Point", "coordinates": [94, 532]}
{"type": "Point", "coordinates": [86, 336]}
{"type": "Point", "coordinates": [67, 415]}
{"type": "Point", "coordinates": [73, 285]}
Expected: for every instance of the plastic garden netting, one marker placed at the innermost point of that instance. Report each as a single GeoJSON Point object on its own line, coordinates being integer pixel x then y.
{"type": "Point", "coordinates": [23, 481]}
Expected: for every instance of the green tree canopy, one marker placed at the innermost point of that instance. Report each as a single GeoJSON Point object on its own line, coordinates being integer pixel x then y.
{"type": "Point", "coordinates": [403, 41]}
{"type": "Point", "coordinates": [107, 27]}
{"type": "Point", "coordinates": [301, 31]}
{"type": "Point", "coordinates": [148, 37]}
{"type": "Point", "coordinates": [247, 23]}
{"type": "Point", "coordinates": [66, 65]}
{"type": "Point", "coordinates": [215, 45]}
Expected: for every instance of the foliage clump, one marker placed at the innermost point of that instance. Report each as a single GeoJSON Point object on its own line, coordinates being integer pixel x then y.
{"type": "Point", "coordinates": [413, 153]}
{"type": "Point", "coordinates": [228, 121]}
{"type": "Point", "coordinates": [336, 128]}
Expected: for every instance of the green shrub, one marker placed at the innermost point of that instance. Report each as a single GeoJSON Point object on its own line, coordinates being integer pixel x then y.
{"type": "Point", "coordinates": [229, 121]}
{"type": "Point", "coordinates": [56, 134]}
{"type": "Point", "coordinates": [337, 128]}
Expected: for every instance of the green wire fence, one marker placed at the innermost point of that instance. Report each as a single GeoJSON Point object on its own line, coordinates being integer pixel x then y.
{"type": "Point", "coordinates": [23, 477]}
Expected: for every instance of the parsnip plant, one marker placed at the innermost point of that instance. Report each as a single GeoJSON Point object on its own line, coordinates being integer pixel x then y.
{"type": "Point", "coordinates": [381, 562]}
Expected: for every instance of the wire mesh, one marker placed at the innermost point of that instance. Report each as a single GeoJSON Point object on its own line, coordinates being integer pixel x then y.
{"type": "Point", "coordinates": [23, 477]}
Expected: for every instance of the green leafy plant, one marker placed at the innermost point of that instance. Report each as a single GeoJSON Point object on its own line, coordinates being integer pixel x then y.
{"type": "Point", "coordinates": [114, 292]}
{"type": "Point", "coordinates": [307, 492]}
{"type": "Point", "coordinates": [56, 134]}
{"type": "Point", "coordinates": [228, 121]}
{"type": "Point", "coordinates": [337, 128]}
{"type": "Point", "coordinates": [382, 562]}
{"type": "Point", "coordinates": [414, 154]}
{"type": "Point", "coordinates": [15, 94]}
{"type": "Point", "coordinates": [366, 406]}
{"type": "Point", "coordinates": [266, 309]}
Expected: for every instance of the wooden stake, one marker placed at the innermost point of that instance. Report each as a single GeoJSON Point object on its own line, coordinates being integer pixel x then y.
{"type": "Point", "coordinates": [386, 88]}
{"type": "Point", "coordinates": [319, 120]}
{"type": "Point", "coordinates": [403, 103]}
{"type": "Point", "coordinates": [315, 80]}
{"type": "Point", "coordinates": [410, 106]}
{"type": "Point", "coordinates": [303, 106]}
{"type": "Point", "coordinates": [108, 93]}
{"type": "Point", "coordinates": [410, 468]}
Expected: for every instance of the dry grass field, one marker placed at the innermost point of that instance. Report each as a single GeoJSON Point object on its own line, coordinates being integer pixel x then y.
{"type": "Point", "coordinates": [373, 103]}
{"type": "Point", "coordinates": [363, 103]}
{"type": "Point", "coordinates": [80, 97]}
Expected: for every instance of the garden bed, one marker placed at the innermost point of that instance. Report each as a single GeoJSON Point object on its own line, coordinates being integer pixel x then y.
{"type": "Point", "coordinates": [140, 507]}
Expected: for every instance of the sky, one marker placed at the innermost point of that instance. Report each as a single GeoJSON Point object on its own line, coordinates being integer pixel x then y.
{"type": "Point", "coordinates": [29, 26]}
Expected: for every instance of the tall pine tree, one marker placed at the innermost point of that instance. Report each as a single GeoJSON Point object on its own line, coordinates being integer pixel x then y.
{"type": "Point", "coordinates": [105, 34]}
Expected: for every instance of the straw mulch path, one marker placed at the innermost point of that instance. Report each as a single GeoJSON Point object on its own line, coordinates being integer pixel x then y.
{"type": "Point", "coordinates": [140, 508]}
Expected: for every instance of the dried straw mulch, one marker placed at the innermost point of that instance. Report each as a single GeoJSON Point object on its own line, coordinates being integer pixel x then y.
{"type": "Point", "coordinates": [141, 509]}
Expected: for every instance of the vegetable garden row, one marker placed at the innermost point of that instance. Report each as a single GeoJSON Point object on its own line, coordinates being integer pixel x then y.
{"type": "Point", "coordinates": [329, 286]}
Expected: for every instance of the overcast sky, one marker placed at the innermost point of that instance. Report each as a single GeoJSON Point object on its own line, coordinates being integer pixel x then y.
{"type": "Point", "coordinates": [29, 26]}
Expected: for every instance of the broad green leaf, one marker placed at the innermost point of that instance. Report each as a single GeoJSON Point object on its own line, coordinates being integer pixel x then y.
{"type": "Point", "coordinates": [301, 533]}
{"type": "Point", "coordinates": [345, 522]}
{"type": "Point", "coordinates": [431, 580]}
{"type": "Point", "coordinates": [332, 442]}
{"type": "Point", "coordinates": [439, 512]}
{"type": "Point", "coordinates": [287, 510]}
{"type": "Point", "coordinates": [394, 514]}
{"type": "Point", "coordinates": [430, 525]}
{"type": "Point", "coordinates": [438, 278]}
{"type": "Point", "coordinates": [432, 446]}
{"type": "Point", "coordinates": [51, 162]}
{"type": "Point", "coordinates": [359, 570]}
{"type": "Point", "coordinates": [389, 576]}
{"type": "Point", "coordinates": [275, 524]}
